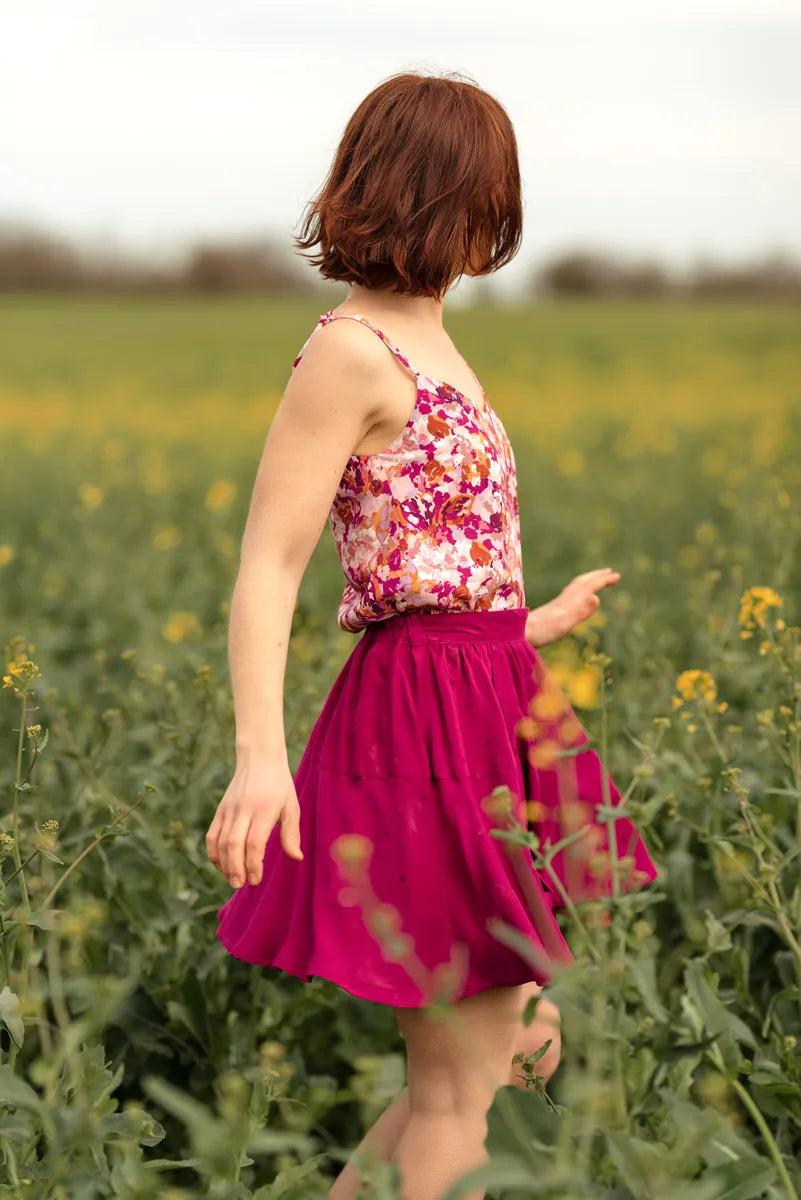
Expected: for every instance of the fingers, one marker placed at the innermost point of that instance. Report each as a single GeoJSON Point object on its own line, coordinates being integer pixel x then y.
{"type": "Point", "coordinates": [235, 842]}
{"type": "Point", "coordinates": [213, 839]}
{"type": "Point", "coordinates": [290, 831]}
{"type": "Point", "coordinates": [600, 577]}
{"type": "Point", "coordinates": [592, 581]}
{"type": "Point", "coordinates": [260, 829]}
{"type": "Point", "coordinates": [232, 849]}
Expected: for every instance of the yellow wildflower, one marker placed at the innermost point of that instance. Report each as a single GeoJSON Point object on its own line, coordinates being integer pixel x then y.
{"type": "Point", "coordinates": [20, 670]}
{"type": "Point", "coordinates": [754, 603]}
{"type": "Point", "coordinates": [706, 533]}
{"type": "Point", "coordinates": [574, 814]}
{"type": "Point", "coordinates": [560, 673]}
{"type": "Point", "coordinates": [181, 625]}
{"type": "Point", "coordinates": [90, 496]}
{"type": "Point", "coordinates": [695, 685]}
{"type": "Point", "coordinates": [584, 687]}
{"type": "Point", "coordinates": [221, 493]}
{"type": "Point", "coordinates": [544, 753]}
{"type": "Point", "coordinates": [526, 728]}
{"type": "Point", "coordinates": [6, 554]}
{"type": "Point", "coordinates": [569, 729]}
{"type": "Point", "coordinates": [536, 811]}
{"type": "Point", "coordinates": [548, 703]}
{"type": "Point", "coordinates": [166, 537]}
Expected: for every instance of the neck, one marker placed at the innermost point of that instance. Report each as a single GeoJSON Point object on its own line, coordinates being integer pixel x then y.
{"type": "Point", "coordinates": [380, 302]}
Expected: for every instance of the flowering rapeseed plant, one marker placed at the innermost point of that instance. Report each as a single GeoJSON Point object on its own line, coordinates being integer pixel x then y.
{"type": "Point", "coordinates": [754, 603]}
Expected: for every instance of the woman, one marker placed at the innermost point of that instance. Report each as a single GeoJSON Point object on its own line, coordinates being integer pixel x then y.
{"type": "Point", "coordinates": [375, 866]}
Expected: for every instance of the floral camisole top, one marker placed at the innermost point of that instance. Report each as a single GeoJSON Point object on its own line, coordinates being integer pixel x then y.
{"type": "Point", "coordinates": [432, 521]}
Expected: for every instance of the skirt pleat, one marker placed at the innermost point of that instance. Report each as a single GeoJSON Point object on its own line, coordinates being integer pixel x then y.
{"type": "Point", "coordinates": [440, 728]}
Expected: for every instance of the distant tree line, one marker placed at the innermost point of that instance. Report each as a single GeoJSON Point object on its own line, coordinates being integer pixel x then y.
{"type": "Point", "coordinates": [595, 273]}
{"type": "Point", "coordinates": [36, 260]}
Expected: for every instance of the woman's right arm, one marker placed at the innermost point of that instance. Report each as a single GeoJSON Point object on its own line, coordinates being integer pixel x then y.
{"type": "Point", "coordinates": [327, 407]}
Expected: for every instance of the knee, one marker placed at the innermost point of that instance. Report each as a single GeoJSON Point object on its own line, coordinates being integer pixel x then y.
{"type": "Point", "coordinates": [546, 1026]}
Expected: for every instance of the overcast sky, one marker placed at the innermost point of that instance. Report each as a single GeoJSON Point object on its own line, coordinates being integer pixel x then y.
{"type": "Point", "coordinates": [643, 125]}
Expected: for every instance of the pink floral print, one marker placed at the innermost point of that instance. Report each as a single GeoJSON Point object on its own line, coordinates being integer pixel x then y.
{"type": "Point", "coordinates": [432, 521]}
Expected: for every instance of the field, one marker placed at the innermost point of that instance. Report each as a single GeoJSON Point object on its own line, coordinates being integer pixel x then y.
{"type": "Point", "coordinates": [137, 1059]}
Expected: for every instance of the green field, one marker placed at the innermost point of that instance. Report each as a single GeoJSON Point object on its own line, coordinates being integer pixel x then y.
{"type": "Point", "coordinates": [137, 1059]}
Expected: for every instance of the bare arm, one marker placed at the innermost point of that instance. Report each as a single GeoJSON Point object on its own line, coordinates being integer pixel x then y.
{"type": "Point", "coordinates": [326, 409]}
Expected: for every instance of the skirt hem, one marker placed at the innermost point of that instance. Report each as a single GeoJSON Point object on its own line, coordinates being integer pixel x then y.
{"type": "Point", "coordinates": [474, 988]}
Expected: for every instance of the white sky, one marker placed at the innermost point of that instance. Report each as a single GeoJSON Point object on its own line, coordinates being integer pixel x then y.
{"type": "Point", "coordinates": [664, 126]}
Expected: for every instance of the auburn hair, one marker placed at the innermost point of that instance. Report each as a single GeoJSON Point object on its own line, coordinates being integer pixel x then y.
{"type": "Point", "coordinates": [425, 182]}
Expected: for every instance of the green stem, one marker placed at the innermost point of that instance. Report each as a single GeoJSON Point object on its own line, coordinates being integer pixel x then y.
{"type": "Point", "coordinates": [66, 874]}
{"type": "Point", "coordinates": [25, 929]}
{"type": "Point", "coordinates": [770, 1142]}
{"type": "Point", "coordinates": [607, 799]}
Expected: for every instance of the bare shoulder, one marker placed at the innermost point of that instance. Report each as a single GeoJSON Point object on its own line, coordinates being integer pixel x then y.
{"type": "Point", "coordinates": [346, 353]}
{"type": "Point", "coordinates": [334, 394]}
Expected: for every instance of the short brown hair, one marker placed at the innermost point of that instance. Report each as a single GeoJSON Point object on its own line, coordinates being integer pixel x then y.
{"type": "Point", "coordinates": [425, 182]}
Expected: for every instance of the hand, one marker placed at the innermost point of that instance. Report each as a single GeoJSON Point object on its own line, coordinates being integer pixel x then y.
{"type": "Point", "coordinates": [261, 793]}
{"type": "Point", "coordinates": [574, 603]}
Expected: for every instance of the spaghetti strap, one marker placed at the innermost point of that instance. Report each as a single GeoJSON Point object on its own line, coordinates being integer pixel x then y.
{"type": "Point", "coordinates": [332, 316]}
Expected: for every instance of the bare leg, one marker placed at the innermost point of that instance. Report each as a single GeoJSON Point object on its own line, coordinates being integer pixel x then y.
{"type": "Point", "coordinates": [455, 1064]}
{"type": "Point", "coordinates": [378, 1145]}
{"type": "Point", "coordinates": [382, 1138]}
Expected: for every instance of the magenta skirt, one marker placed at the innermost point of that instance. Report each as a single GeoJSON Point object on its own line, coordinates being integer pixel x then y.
{"type": "Point", "coordinates": [441, 729]}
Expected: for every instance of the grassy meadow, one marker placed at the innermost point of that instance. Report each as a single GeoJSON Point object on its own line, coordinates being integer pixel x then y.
{"type": "Point", "coordinates": [137, 1059]}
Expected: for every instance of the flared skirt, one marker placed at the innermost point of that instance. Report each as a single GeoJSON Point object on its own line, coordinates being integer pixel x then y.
{"type": "Point", "coordinates": [440, 730]}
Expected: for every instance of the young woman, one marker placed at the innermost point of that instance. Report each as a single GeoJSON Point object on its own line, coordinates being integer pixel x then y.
{"type": "Point", "coordinates": [375, 866]}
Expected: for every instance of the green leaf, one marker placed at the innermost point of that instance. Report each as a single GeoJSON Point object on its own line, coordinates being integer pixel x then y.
{"type": "Point", "coordinates": [687, 1049]}
{"type": "Point", "coordinates": [746, 1179]}
{"type": "Point", "coordinates": [501, 1172]}
{"type": "Point", "coordinates": [718, 936]}
{"type": "Point", "coordinates": [642, 1167]}
{"type": "Point", "coordinates": [701, 984]}
{"type": "Point", "coordinates": [44, 918]}
{"type": "Point", "coordinates": [11, 1015]}
{"type": "Point", "coordinates": [514, 1111]}
{"type": "Point", "coordinates": [53, 857]}
{"type": "Point", "coordinates": [16, 1092]}
{"type": "Point", "coordinates": [643, 970]}
{"type": "Point", "coordinates": [285, 1186]}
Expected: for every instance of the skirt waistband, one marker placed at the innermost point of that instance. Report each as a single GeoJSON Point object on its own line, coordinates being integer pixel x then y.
{"type": "Point", "coordinates": [421, 626]}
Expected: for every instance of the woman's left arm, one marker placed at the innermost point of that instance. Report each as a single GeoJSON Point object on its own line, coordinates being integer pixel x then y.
{"type": "Point", "coordinates": [574, 603]}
